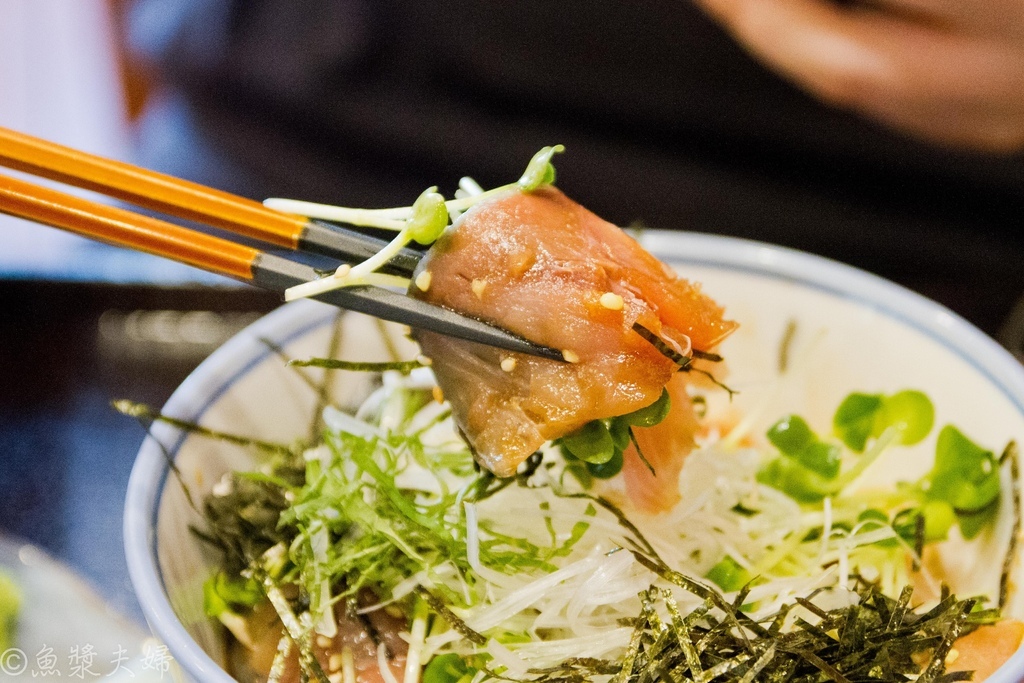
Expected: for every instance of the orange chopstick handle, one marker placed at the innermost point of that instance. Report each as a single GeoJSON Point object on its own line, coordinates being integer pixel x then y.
{"type": "Point", "coordinates": [149, 189]}
{"type": "Point", "coordinates": [123, 228]}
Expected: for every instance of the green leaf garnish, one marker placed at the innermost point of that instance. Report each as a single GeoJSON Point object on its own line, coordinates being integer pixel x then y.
{"type": "Point", "coordinates": [591, 443]}
{"type": "Point", "coordinates": [965, 478]}
{"type": "Point", "coordinates": [821, 458]}
{"type": "Point", "coordinates": [429, 217]}
{"type": "Point", "coordinates": [600, 444]}
{"type": "Point", "coordinates": [792, 478]}
{"type": "Point", "coordinates": [962, 488]}
{"type": "Point", "coordinates": [608, 469]}
{"type": "Point", "coordinates": [794, 439]}
{"type": "Point", "coordinates": [854, 420]}
{"type": "Point", "coordinates": [939, 518]}
{"type": "Point", "coordinates": [807, 467]}
{"type": "Point", "coordinates": [911, 412]}
{"type": "Point", "coordinates": [449, 668]}
{"type": "Point", "coordinates": [729, 575]}
{"type": "Point", "coordinates": [222, 593]}
{"type": "Point", "coordinates": [862, 416]}
{"type": "Point", "coordinates": [540, 171]}
{"type": "Point", "coordinates": [791, 435]}
{"type": "Point", "coordinates": [650, 415]}
{"type": "Point", "coordinates": [619, 429]}
{"type": "Point", "coordinates": [965, 475]}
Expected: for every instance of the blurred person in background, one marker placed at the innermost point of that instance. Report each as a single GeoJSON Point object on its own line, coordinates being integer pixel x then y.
{"type": "Point", "coordinates": [887, 135]}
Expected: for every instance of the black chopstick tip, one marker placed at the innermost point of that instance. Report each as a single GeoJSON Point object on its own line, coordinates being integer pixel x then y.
{"type": "Point", "coordinates": [549, 353]}
{"type": "Point", "coordinates": [349, 245]}
{"type": "Point", "coordinates": [277, 273]}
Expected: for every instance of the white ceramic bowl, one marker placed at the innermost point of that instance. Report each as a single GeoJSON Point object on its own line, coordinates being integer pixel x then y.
{"type": "Point", "coordinates": [854, 331]}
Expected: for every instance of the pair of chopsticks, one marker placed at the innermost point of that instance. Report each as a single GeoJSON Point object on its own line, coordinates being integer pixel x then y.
{"type": "Point", "coordinates": [236, 215]}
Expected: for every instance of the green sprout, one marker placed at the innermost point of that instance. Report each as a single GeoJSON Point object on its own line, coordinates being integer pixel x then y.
{"type": "Point", "coordinates": [427, 220]}
{"type": "Point", "coordinates": [729, 575]}
{"type": "Point", "coordinates": [448, 668]}
{"type": "Point", "coordinates": [807, 468]}
{"type": "Point", "coordinates": [222, 593]}
{"type": "Point", "coordinates": [599, 444]}
{"type": "Point", "coordinates": [962, 488]}
{"type": "Point", "coordinates": [863, 416]}
{"type": "Point", "coordinates": [423, 223]}
{"type": "Point", "coordinates": [964, 480]}
{"type": "Point", "coordinates": [540, 170]}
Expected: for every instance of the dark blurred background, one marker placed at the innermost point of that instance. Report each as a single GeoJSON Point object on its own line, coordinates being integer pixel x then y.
{"type": "Point", "coordinates": [368, 102]}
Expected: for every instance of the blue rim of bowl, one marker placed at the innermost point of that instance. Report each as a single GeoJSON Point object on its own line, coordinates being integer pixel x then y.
{"type": "Point", "coordinates": [245, 351]}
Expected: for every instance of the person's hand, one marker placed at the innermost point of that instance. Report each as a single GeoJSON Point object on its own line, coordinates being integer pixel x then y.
{"type": "Point", "coordinates": [949, 71]}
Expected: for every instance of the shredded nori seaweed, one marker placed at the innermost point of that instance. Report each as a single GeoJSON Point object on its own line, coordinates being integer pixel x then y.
{"type": "Point", "coordinates": [402, 366]}
{"type": "Point", "coordinates": [245, 522]}
{"type": "Point", "coordinates": [662, 348]}
{"type": "Point", "coordinates": [145, 414]}
{"type": "Point", "coordinates": [786, 345]}
{"type": "Point", "coordinates": [300, 633]}
{"type": "Point", "coordinates": [453, 620]}
{"type": "Point", "coordinates": [1010, 455]}
{"type": "Point", "coordinates": [876, 639]}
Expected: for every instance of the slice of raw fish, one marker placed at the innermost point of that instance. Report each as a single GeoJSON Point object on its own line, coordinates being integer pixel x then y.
{"type": "Point", "coordinates": [664, 447]}
{"type": "Point", "coordinates": [541, 265]}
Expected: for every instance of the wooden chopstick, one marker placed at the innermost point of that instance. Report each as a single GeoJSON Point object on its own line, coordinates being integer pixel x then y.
{"type": "Point", "coordinates": [149, 189]}
{"type": "Point", "coordinates": [120, 227]}
{"type": "Point", "coordinates": [191, 201]}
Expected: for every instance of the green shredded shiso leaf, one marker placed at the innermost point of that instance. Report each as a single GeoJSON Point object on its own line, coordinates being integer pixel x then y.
{"type": "Point", "coordinates": [381, 533]}
{"type": "Point", "coordinates": [343, 515]}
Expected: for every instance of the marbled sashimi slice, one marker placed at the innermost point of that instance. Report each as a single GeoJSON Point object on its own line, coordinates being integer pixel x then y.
{"type": "Point", "coordinates": [541, 265]}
